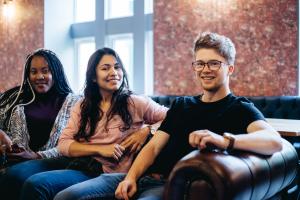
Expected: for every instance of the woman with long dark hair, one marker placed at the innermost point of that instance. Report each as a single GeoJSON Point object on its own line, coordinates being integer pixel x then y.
{"type": "Point", "coordinates": [33, 114]}
{"type": "Point", "coordinates": [105, 131]}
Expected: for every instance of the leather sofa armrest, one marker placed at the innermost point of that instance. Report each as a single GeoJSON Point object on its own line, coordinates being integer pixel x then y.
{"type": "Point", "coordinates": [239, 175]}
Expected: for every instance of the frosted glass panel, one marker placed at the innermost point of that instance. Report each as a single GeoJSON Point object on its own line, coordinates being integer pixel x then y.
{"type": "Point", "coordinates": [148, 6]}
{"type": "Point", "coordinates": [85, 50]}
{"type": "Point", "coordinates": [118, 8]}
{"type": "Point", "coordinates": [85, 10]}
{"type": "Point", "coordinates": [149, 71]}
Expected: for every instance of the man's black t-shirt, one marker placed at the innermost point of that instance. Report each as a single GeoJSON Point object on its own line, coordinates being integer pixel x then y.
{"type": "Point", "coordinates": [187, 114]}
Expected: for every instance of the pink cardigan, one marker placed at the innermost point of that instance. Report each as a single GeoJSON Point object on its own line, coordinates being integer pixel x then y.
{"type": "Point", "coordinates": [143, 111]}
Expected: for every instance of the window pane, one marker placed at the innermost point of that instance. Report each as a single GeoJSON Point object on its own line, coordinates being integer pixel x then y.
{"type": "Point", "coordinates": [123, 45]}
{"type": "Point", "coordinates": [148, 6]}
{"type": "Point", "coordinates": [85, 48]}
{"type": "Point", "coordinates": [85, 10]}
{"type": "Point", "coordinates": [149, 71]}
{"type": "Point", "coordinates": [118, 8]}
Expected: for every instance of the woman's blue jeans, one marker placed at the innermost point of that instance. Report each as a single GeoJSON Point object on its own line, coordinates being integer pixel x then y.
{"type": "Point", "coordinates": [75, 185]}
{"type": "Point", "coordinates": [48, 179]}
{"type": "Point", "coordinates": [12, 180]}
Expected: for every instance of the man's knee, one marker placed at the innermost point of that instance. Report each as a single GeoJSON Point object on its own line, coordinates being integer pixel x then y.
{"type": "Point", "coordinates": [66, 195]}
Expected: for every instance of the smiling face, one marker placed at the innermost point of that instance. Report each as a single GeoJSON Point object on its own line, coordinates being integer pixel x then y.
{"type": "Point", "coordinates": [109, 74]}
{"type": "Point", "coordinates": [213, 80]}
{"type": "Point", "coordinates": [40, 76]}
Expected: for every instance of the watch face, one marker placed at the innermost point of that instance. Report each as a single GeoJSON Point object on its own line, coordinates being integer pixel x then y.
{"type": "Point", "coordinates": [228, 135]}
{"type": "Point", "coordinates": [152, 131]}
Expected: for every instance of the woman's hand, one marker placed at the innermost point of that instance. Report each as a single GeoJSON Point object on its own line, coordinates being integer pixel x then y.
{"type": "Point", "coordinates": [114, 151]}
{"type": "Point", "coordinates": [5, 140]}
{"type": "Point", "coordinates": [21, 155]}
{"type": "Point", "coordinates": [135, 141]}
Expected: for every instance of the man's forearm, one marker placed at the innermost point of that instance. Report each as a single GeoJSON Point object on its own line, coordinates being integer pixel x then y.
{"type": "Point", "coordinates": [261, 142]}
{"type": "Point", "coordinates": [147, 155]}
{"type": "Point", "coordinates": [261, 138]}
{"type": "Point", "coordinates": [143, 161]}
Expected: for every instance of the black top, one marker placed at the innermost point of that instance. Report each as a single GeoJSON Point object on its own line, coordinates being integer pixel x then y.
{"type": "Point", "coordinates": [41, 115]}
{"type": "Point", "coordinates": [231, 114]}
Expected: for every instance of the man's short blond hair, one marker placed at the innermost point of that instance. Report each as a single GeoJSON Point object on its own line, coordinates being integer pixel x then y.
{"type": "Point", "coordinates": [223, 45]}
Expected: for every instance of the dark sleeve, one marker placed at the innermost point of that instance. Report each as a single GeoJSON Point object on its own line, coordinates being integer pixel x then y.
{"type": "Point", "coordinates": [173, 118]}
{"type": "Point", "coordinates": [249, 113]}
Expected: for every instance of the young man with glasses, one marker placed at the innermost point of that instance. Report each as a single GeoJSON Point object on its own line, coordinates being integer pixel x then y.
{"type": "Point", "coordinates": [215, 118]}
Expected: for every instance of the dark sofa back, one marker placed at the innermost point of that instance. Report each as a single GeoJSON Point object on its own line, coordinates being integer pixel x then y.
{"type": "Point", "coordinates": [284, 107]}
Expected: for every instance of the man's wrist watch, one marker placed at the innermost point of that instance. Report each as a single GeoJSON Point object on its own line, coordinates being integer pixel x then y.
{"type": "Point", "coordinates": [231, 139]}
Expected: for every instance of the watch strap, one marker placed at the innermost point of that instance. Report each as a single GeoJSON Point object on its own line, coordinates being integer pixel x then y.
{"type": "Point", "coordinates": [231, 139]}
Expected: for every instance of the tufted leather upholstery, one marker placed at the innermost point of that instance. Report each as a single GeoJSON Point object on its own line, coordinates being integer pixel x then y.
{"type": "Point", "coordinates": [240, 175]}
{"type": "Point", "coordinates": [284, 107]}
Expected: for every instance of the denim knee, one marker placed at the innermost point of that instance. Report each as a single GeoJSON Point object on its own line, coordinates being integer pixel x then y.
{"type": "Point", "coordinates": [34, 188]}
{"type": "Point", "coordinates": [68, 194]}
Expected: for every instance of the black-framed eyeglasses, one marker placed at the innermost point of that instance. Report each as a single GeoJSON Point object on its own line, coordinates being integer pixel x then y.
{"type": "Point", "coordinates": [212, 65]}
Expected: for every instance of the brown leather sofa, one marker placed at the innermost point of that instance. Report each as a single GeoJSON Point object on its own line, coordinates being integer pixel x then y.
{"type": "Point", "coordinates": [239, 175]}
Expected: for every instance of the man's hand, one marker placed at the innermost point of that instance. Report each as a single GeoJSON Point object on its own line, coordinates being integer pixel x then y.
{"type": "Point", "coordinates": [126, 189]}
{"type": "Point", "coordinates": [135, 141]}
{"type": "Point", "coordinates": [114, 151]}
{"type": "Point", "coordinates": [5, 140]}
{"type": "Point", "coordinates": [202, 138]}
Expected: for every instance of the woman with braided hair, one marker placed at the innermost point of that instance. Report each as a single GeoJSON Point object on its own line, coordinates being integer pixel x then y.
{"type": "Point", "coordinates": [106, 130]}
{"type": "Point", "coordinates": [33, 114]}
